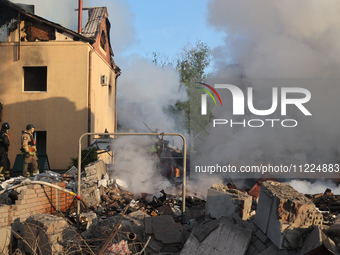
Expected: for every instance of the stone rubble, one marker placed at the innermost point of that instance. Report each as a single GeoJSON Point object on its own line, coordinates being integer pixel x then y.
{"type": "Point", "coordinates": [269, 218]}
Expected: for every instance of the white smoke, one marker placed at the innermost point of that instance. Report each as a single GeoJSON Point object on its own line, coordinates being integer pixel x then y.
{"type": "Point", "coordinates": [62, 12]}
{"type": "Point", "coordinates": [316, 187]}
{"type": "Point", "coordinates": [145, 90]}
{"type": "Point", "coordinates": [135, 165]}
{"type": "Point", "coordinates": [272, 41]}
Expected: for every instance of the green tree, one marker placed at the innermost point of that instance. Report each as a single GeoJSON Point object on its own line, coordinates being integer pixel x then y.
{"type": "Point", "coordinates": [88, 156]}
{"type": "Point", "coordinates": [192, 66]}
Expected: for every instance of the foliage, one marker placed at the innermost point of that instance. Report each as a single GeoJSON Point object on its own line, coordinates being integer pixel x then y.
{"type": "Point", "coordinates": [191, 65]}
{"type": "Point", "coordinates": [88, 156]}
{"type": "Point", "coordinates": [162, 60]}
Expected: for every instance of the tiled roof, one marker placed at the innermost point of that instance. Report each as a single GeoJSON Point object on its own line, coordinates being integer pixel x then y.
{"type": "Point", "coordinates": [92, 28]}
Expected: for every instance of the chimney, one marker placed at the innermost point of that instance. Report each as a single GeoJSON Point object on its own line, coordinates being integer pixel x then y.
{"type": "Point", "coordinates": [80, 14]}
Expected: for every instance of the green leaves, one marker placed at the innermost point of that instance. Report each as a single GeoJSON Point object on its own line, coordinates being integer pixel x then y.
{"type": "Point", "coordinates": [191, 64]}
{"type": "Point", "coordinates": [88, 156]}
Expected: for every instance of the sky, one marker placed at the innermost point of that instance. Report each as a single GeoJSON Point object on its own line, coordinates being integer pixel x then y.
{"type": "Point", "coordinates": [166, 26]}
{"type": "Point", "coordinates": [140, 27]}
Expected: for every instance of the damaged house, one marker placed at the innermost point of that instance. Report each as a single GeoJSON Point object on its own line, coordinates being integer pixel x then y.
{"type": "Point", "coordinates": [62, 81]}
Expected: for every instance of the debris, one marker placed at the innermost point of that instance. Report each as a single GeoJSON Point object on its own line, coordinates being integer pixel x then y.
{"type": "Point", "coordinates": [119, 248]}
{"type": "Point", "coordinates": [166, 235]}
{"type": "Point", "coordinates": [44, 232]}
{"type": "Point", "coordinates": [222, 236]}
{"type": "Point", "coordinates": [284, 214]}
{"type": "Point", "coordinates": [222, 201]}
{"type": "Point", "coordinates": [113, 234]}
{"type": "Point", "coordinates": [269, 217]}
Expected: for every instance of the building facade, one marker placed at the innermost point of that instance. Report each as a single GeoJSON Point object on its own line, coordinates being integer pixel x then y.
{"type": "Point", "coordinates": [61, 81]}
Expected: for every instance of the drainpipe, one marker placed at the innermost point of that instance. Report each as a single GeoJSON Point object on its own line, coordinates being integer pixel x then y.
{"type": "Point", "coordinates": [89, 98]}
{"type": "Point", "coordinates": [116, 118]}
{"type": "Point", "coordinates": [18, 57]}
{"type": "Point", "coordinates": [80, 14]}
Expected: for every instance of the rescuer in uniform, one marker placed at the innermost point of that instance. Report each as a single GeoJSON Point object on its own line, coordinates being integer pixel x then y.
{"type": "Point", "coordinates": [4, 144]}
{"type": "Point", "coordinates": [28, 150]}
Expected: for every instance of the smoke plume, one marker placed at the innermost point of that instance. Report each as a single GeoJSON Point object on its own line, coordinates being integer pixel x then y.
{"type": "Point", "coordinates": [317, 187]}
{"type": "Point", "coordinates": [269, 43]}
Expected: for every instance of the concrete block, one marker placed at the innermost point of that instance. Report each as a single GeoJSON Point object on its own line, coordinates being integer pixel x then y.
{"type": "Point", "coordinates": [226, 202]}
{"type": "Point", "coordinates": [261, 236]}
{"type": "Point", "coordinates": [259, 246]}
{"type": "Point", "coordinates": [89, 193]}
{"type": "Point", "coordinates": [317, 240]}
{"type": "Point", "coordinates": [228, 238]}
{"type": "Point", "coordinates": [98, 168]}
{"type": "Point", "coordinates": [44, 232]}
{"type": "Point", "coordinates": [202, 231]}
{"type": "Point", "coordinates": [284, 214]}
{"type": "Point", "coordinates": [165, 233]}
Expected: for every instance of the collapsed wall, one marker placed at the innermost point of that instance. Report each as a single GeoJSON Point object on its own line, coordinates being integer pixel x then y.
{"type": "Point", "coordinates": [284, 214]}
{"type": "Point", "coordinates": [35, 199]}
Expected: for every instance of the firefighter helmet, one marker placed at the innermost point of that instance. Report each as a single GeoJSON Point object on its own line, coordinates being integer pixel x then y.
{"type": "Point", "coordinates": [5, 126]}
{"type": "Point", "coordinates": [29, 126]}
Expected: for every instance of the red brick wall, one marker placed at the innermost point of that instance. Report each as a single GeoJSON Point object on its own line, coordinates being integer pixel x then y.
{"type": "Point", "coordinates": [41, 32]}
{"type": "Point", "coordinates": [33, 200]}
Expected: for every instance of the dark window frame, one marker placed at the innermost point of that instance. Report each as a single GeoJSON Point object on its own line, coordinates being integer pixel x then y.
{"type": "Point", "coordinates": [103, 40]}
{"type": "Point", "coordinates": [35, 78]}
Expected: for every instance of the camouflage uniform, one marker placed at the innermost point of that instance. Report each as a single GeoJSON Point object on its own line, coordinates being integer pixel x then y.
{"type": "Point", "coordinates": [28, 150]}
{"type": "Point", "coordinates": [4, 144]}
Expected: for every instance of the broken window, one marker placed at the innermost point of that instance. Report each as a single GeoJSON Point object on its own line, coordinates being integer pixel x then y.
{"type": "Point", "coordinates": [110, 89]}
{"type": "Point", "coordinates": [103, 40]}
{"type": "Point", "coordinates": [35, 78]}
{"type": "Point", "coordinates": [110, 96]}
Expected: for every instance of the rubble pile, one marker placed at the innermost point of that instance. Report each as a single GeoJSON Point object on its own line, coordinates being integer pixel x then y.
{"type": "Point", "coordinates": [328, 204]}
{"type": "Point", "coordinates": [270, 218]}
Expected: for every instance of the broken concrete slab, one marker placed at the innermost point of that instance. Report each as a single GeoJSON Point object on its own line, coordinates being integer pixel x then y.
{"type": "Point", "coordinates": [90, 193]}
{"type": "Point", "coordinates": [317, 241]}
{"type": "Point", "coordinates": [202, 231]}
{"type": "Point", "coordinates": [95, 171]}
{"type": "Point", "coordinates": [222, 201]}
{"type": "Point", "coordinates": [227, 238]}
{"type": "Point", "coordinates": [166, 235]}
{"type": "Point", "coordinates": [283, 214]}
{"type": "Point", "coordinates": [45, 232]}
